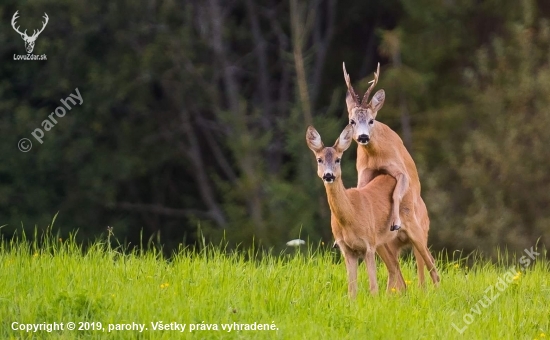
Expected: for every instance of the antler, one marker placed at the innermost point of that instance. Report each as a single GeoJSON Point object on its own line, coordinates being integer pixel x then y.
{"type": "Point", "coordinates": [13, 23]}
{"type": "Point", "coordinates": [348, 83]}
{"type": "Point", "coordinates": [35, 34]}
{"type": "Point", "coordinates": [365, 101]}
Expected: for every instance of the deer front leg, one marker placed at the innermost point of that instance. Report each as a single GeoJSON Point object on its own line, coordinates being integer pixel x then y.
{"type": "Point", "coordinates": [351, 268]}
{"type": "Point", "coordinates": [364, 177]}
{"type": "Point", "coordinates": [398, 193]}
{"type": "Point", "coordinates": [370, 262]}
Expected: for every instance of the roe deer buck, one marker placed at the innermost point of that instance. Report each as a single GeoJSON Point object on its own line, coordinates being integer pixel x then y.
{"type": "Point", "coordinates": [360, 217]}
{"type": "Point", "coordinates": [381, 151]}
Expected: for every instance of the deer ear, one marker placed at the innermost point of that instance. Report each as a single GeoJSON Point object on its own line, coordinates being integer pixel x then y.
{"type": "Point", "coordinates": [378, 100]}
{"type": "Point", "coordinates": [344, 141]}
{"type": "Point", "coordinates": [313, 139]}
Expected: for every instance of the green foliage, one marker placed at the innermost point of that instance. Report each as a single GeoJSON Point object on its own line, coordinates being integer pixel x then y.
{"type": "Point", "coordinates": [169, 135]}
{"type": "Point", "coordinates": [194, 114]}
{"type": "Point", "coordinates": [488, 189]}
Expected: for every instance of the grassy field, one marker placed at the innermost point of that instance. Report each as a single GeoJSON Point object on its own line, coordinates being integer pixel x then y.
{"type": "Point", "coordinates": [298, 296]}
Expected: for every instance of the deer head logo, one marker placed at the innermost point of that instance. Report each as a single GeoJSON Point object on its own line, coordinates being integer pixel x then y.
{"type": "Point", "coordinates": [29, 41]}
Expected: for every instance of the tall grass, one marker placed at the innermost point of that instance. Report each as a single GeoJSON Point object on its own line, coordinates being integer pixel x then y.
{"type": "Point", "coordinates": [304, 295]}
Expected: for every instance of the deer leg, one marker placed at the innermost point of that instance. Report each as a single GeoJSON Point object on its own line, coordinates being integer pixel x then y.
{"type": "Point", "coordinates": [370, 262]}
{"type": "Point", "coordinates": [433, 275]}
{"type": "Point", "coordinates": [421, 214]}
{"type": "Point", "coordinates": [351, 268]}
{"type": "Point", "coordinates": [424, 222]}
{"type": "Point", "coordinates": [396, 245]}
{"type": "Point", "coordinates": [419, 268]}
{"type": "Point", "coordinates": [391, 260]}
{"type": "Point", "coordinates": [364, 177]}
{"type": "Point", "coordinates": [420, 245]}
{"type": "Point", "coordinates": [398, 193]}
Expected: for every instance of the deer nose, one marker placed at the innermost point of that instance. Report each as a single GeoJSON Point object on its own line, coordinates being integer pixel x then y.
{"type": "Point", "coordinates": [363, 138]}
{"type": "Point", "coordinates": [329, 177]}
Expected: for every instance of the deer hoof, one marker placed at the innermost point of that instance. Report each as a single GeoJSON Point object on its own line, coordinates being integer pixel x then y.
{"type": "Point", "coordinates": [395, 227]}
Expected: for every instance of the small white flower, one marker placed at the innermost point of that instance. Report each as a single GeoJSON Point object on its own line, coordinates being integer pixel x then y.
{"type": "Point", "coordinates": [295, 243]}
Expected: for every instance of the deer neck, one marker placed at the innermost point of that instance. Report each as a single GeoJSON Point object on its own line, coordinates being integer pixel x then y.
{"type": "Point", "coordinates": [373, 148]}
{"type": "Point", "coordinates": [339, 202]}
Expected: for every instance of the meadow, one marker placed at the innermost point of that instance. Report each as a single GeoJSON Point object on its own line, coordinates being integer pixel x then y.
{"type": "Point", "coordinates": [107, 292]}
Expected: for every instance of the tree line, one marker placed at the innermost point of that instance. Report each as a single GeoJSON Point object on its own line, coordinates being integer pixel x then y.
{"type": "Point", "coordinates": [194, 115]}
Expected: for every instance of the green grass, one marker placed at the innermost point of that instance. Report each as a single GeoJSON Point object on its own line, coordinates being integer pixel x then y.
{"type": "Point", "coordinates": [304, 295]}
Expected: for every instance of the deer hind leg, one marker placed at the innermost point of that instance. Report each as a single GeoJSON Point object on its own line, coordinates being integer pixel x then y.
{"type": "Point", "coordinates": [434, 276]}
{"type": "Point", "coordinates": [424, 221]}
{"type": "Point", "coordinates": [391, 260]}
{"type": "Point", "coordinates": [351, 268]}
{"type": "Point", "coordinates": [397, 244]}
{"type": "Point", "coordinates": [398, 193]}
{"type": "Point", "coordinates": [419, 241]}
{"type": "Point", "coordinates": [419, 267]}
{"type": "Point", "coordinates": [371, 270]}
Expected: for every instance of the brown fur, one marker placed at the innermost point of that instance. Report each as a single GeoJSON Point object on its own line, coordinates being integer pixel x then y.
{"type": "Point", "coordinates": [386, 150]}
{"type": "Point", "coordinates": [386, 154]}
{"type": "Point", "coordinates": [360, 218]}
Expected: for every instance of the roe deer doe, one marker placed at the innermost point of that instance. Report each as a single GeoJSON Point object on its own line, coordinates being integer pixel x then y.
{"type": "Point", "coordinates": [360, 217]}
{"type": "Point", "coordinates": [381, 151]}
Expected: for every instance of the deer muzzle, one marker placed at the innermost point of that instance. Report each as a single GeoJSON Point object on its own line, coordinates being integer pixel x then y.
{"type": "Point", "coordinates": [363, 139]}
{"type": "Point", "coordinates": [329, 177]}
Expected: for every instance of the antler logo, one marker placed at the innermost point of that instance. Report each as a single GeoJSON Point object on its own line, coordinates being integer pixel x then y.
{"type": "Point", "coordinates": [29, 41]}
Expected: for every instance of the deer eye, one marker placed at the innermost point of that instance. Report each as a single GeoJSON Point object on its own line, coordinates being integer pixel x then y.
{"type": "Point", "coordinates": [337, 161]}
{"type": "Point", "coordinates": [352, 122]}
{"type": "Point", "coordinates": [319, 160]}
{"type": "Point", "coordinates": [371, 121]}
